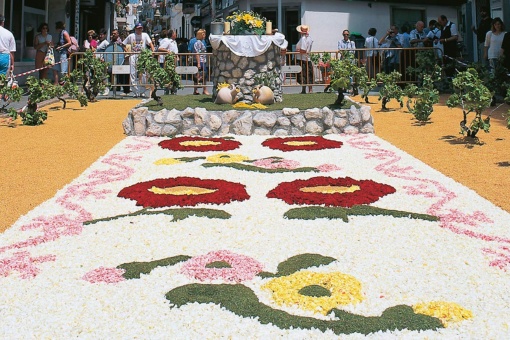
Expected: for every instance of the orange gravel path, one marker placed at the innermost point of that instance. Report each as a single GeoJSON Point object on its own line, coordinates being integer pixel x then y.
{"type": "Point", "coordinates": [38, 161]}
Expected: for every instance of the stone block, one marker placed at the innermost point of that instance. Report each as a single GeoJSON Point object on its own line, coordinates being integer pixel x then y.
{"type": "Point", "coordinates": [260, 131]}
{"type": "Point", "coordinates": [298, 121]}
{"type": "Point", "coordinates": [205, 132]}
{"type": "Point", "coordinates": [355, 117]}
{"type": "Point", "coordinates": [281, 132]}
{"type": "Point", "coordinates": [350, 130]}
{"type": "Point", "coordinates": [314, 127]}
{"type": "Point", "coordinates": [174, 117]}
{"type": "Point", "coordinates": [160, 116]}
{"type": "Point", "coordinates": [314, 113]}
{"type": "Point", "coordinates": [188, 112]}
{"type": "Point", "coordinates": [169, 130]}
{"type": "Point", "coordinates": [265, 119]}
{"type": "Point", "coordinates": [229, 116]}
{"type": "Point", "coordinates": [201, 116]}
{"type": "Point", "coordinates": [283, 121]}
{"type": "Point", "coordinates": [127, 125]}
{"type": "Point", "coordinates": [243, 125]}
{"type": "Point", "coordinates": [290, 111]}
{"type": "Point", "coordinates": [340, 122]}
{"type": "Point", "coordinates": [367, 128]}
{"type": "Point", "coordinates": [214, 122]}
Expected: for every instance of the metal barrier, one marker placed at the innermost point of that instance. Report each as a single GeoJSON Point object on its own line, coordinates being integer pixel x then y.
{"type": "Point", "coordinates": [295, 72]}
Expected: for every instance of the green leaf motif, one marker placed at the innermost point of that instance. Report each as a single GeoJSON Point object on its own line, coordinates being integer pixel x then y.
{"type": "Point", "coordinates": [242, 301]}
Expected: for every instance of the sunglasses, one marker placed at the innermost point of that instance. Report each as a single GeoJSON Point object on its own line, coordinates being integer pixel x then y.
{"type": "Point", "coordinates": [346, 34]}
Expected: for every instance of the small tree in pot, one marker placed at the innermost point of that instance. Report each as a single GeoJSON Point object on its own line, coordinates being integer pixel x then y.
{"type": "Point", "coordinates": [94, 75]}
{"type": "Point", "coordinates": [42, 90]}
{"type": "Point", "coordinates": [346, 74]}
{"type": "Point", "coordinates": [472, 96]}
{"type": "Point", "coordinates": [390, 89]}
{"type": "Point", "coordinates": [159, 76]}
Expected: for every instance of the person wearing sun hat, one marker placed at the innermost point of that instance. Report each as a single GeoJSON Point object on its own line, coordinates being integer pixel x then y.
{"type": "Point", "coordinates": [304, 47]}
{"type": "Point", "coordinates": [139, 40]}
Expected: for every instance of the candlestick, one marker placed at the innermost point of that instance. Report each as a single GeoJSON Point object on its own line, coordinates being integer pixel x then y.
{"type": "Point", "coordinates": [226, 27]}
{"type": "Point", "coordinates": [269, 28]}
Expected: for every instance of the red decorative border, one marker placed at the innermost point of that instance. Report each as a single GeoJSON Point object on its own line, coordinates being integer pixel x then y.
{"type": "Point", "coordinates": [175, 144]}
{"type": "Point", "coordinates": [226, 192]}
{"type": "Point", "coordinates": [320, 143]}
{"type": "Point", "coordinates": [369, 192]}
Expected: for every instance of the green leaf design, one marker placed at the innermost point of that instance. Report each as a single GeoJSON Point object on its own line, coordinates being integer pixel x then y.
{"type": "Point", "coordinates": [178, 214]}
{"type": "Point", "coordinates": [135, 269]}
{"type": "Point", "coordinates": [242, 301]}
{"type": "Point", "coordinates": [298, 262]}
{"type": "Point", "coordinates": [248, 167]}
{"type": "Point", "coordinates": [315, 212]}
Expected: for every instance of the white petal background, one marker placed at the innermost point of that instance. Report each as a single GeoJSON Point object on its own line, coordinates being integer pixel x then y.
{"type": "Point", "coordinates": [397, 260]}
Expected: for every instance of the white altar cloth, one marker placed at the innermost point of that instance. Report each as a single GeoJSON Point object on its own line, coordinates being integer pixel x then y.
{"type": "Point", "coordinates": [248, 45]}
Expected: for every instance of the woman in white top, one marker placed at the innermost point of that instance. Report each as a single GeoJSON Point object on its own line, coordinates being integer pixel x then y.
{"type": "Point", "coordinates": [493, 41]}
{"type": "Point", "coordinates": [42, 42]}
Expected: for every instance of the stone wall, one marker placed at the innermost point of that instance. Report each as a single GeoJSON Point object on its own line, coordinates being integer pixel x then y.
{"type": "Point", "coordinates": [232, 69]}
{"type": "Point", "coordinates": [287, 122]}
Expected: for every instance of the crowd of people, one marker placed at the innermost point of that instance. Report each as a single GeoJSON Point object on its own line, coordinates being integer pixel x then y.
{"type": "Point", "coordinates": [395, 50]}
{"type": "Point", "coordinates": [380, 54]}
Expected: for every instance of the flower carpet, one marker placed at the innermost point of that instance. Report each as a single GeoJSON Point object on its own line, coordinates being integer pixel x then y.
{"type": "Point", "coordinates": [258, 237]}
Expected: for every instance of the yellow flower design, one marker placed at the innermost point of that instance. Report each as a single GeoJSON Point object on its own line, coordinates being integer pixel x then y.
{"type": "Point", "coordinates": [167, 161]}
{"type": "Point", "coordinates": [226, 158]}
{"type": "Point", "coordinates": [444, 311]}
{"type": "Point", "coordinates": [345, 289]}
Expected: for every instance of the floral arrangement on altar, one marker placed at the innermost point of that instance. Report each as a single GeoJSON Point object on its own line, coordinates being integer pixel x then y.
{"type": "Point", "coordinates": [247, 23]}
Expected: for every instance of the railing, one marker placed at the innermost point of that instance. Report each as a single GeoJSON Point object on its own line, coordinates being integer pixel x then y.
{"type": "Point", "coordinates": [311, 75]}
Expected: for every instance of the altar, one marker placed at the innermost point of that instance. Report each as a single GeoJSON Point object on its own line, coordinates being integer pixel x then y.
{"type": "Point", "coordinates": [247, 61]}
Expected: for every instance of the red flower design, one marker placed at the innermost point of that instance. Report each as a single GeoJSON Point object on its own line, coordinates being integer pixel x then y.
{"type": "Point", "coordinates": [344, 192]}
{"type": "Point", "coordinates": [303, 143]}
{"type": "Point", "coordinates": [200, 144]}
{"type": "Point", "coordinates": [184, 191]}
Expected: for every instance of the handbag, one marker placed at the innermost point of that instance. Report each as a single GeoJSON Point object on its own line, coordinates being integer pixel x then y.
{"type": "Point", "coordinates": [49, 59]}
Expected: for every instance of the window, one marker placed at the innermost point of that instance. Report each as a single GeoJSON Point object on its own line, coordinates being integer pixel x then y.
{"type": "Point", "coordinates": [401, 16]}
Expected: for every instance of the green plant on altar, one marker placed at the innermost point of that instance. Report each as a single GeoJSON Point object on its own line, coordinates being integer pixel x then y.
{"type": "Point", "coordinates": [390, 89]}
{"type": "Point", "coordinates": [95, 76]}
{"type": "Point", "coordinates": [9, 92]}
{"type": "Point", "coordinates": [159, 76]}
{"type": "Point", "coordinates": [472, 96]}
{"type": "Point", "coordinates": [267, 79]}
{"type": "Point", "coordinates": [421, 100]}
{"type": "Point", "coordinates": [247, 22]}
{"type": "Point", "coordinates": [42, 90]}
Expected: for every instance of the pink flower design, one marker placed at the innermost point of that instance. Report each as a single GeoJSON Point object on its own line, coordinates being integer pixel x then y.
{"type": "Point", "coordinates": [24, 264]}
{"type": "Point", "coordinates": [328, 167]}
{"type": "Point", "coordinates": [276, 163]}
{"type": "Point", "coordinates": [105, 275]}
{"type": "Point", "coordinates": [242, 267]}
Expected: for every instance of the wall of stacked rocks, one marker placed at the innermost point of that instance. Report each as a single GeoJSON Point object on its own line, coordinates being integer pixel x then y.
{"type": "Point", "coordinates": [287, 122]}
{"type": "Point", "coordinates": [227, 67]}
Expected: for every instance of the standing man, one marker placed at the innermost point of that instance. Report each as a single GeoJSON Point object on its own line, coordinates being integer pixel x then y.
{"type": "Point", "coordinates": [7, 48]}
{"type": "Point", "coordinates": [449, 36]}
{"type": "Point", "coordinates": [121, 78]}
{"type": "Point", "coordinates": [418, 35]}
{"type": "Point", "coordinates": [304, 47]}
{"type": "Point", "coordinates": [138, 41]}
{"type": "Point", "coordinates": [483, 27]}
